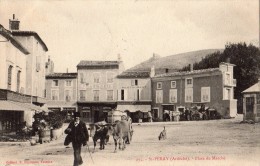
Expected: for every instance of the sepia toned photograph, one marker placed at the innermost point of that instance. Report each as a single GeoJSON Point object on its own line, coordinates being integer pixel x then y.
{"type": "Point", "coordinates": [132, 83]}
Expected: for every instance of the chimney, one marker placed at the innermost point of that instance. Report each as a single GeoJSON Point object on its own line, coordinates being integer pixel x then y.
{"type": "Point", "coordinates": [14, 23]}
{"type": "Point", "coordinates": [228, 60]}
{"type": "Point", "coordinates": [67, 70]}
{"type": "Point", "coordinates": [166, 70]}
{"type": "Point", "coordinates": [119, 58]}
{"type": "Point", "coordinates": [152, 73]}
{"type": "Point", "coordinates": [191, 67]}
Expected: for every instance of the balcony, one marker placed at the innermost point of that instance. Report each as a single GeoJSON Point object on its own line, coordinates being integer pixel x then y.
{"type": "Point", "coordinates": [232, 82]}
{"type": "Point", "coordinates": [19, 97]}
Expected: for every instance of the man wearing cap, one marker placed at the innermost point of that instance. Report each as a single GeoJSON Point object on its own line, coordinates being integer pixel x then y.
{"type": "Point", "coordinates": [78, 133]}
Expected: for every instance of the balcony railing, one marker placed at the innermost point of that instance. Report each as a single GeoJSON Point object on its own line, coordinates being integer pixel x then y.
{"type": "Point", "coordinates": [15, 96]}
{"type": "Point", "coordinates": [232, 82]}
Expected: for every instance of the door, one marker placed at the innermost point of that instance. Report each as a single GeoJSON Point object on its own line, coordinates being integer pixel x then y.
{"type": "Point", "coordinates": [250, 107]}
{"type": "Point", "coordinates": [96, 116]}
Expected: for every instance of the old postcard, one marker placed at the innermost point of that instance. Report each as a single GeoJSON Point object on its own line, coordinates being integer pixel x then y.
{"type": "Point", "coordinates": [135, 82]}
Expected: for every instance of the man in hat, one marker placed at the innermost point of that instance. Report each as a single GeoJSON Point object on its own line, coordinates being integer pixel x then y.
{"type": "Point", "coordinates": [78, 133]}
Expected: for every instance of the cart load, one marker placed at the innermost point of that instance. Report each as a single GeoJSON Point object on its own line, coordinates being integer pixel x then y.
{"type": "Point", "coordinates": [115, 115]}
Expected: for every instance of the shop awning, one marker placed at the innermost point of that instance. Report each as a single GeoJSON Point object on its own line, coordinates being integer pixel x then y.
{"type": "Point", "coordinates": [17, 106]}
{"type": "Point", "coordinates": [32, 107]}
{"type": "Point", "coordinates": [134, 108]}
{"type": "Point", "coordinates": [10, 106]}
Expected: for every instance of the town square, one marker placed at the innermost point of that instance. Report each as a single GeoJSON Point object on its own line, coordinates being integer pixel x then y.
{"type": "Point", "coordinates": [134, 83]}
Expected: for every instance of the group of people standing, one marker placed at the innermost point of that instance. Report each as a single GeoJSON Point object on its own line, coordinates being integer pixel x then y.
{"type": "Point", "coordinates": [77, 134]}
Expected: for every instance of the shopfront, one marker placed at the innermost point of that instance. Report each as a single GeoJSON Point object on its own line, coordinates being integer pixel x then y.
{"type": "Point", "coordinates": [95, 112]}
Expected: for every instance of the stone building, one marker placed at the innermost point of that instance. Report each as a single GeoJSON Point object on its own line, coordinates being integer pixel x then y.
{"type": "Point", "coordinates": [251, 102]}
{"type": "Point", "coordinates": [20, 70]}
{"type": "Point", "coordinates": [61, 92]}
{"type": "Point", "coordinates": [213, 87]}
{"type": "Point", "coordinates": [97, 88]}
{"type": "Point", "coordinates": [134, 94]}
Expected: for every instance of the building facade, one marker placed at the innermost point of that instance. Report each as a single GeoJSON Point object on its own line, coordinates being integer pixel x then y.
{"type": "Point", "coordinates": [134, 94]}
{"type": "Point", "coordinates": [251, 103]}
{"type": "Point", "coordinates": [97, 89]}
{"type": "Point", "coordinates": [17, 102]}
{"type": "Point", "coordinates": [61, 92]}
{"type": "Point", "coordinates": [213, 87]}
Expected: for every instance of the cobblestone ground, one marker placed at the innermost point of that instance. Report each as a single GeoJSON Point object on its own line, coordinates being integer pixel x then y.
{"type": "Point", "coordinates": [216, 142]}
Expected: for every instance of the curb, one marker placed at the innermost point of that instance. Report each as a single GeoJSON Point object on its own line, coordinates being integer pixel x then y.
{"type": "Point", "coordinates": [27, 143]}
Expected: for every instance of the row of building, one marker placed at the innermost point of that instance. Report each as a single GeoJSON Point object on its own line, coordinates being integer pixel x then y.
{"type": "Point", "coordinates": [102, 86]}
{"type": "Point", "coordinates": [29, 84]}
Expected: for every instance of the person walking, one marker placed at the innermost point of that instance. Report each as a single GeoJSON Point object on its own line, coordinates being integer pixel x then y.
{"type": "Point", "coordinates": [78, 133]}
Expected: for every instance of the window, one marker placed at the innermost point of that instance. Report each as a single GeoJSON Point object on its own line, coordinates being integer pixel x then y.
{"type": "Point", "coordinates": [173, 96]}
{"type": "Point", "coordinates": [189, 82]}
{"type": "Point", "coordinates": [96, 95]}
{"type": "Point", "coordinates": [81, 77]}
{"type": "Point", "coordinates": [159, 85]}
{"type": "Point", "coordinates": [122, 94]}
{"type": "Point", "coordinates": [55, 94]}
{"type": "Point", "coordinates": [227, 94]}
{"type": "Point", "coordinates": [110, 95]}
{"type": "Point", "coordinates": [86, 114]}
{"type": "Point", "coordinates": [68, 83]}
{"type": "Point", "coordinates": [188, 95]}
{"type": "Point", "coordinates": [38, 63]}
{"type": "Point", "coordinates": [205, 94]}
{"type": "Point", "coordinates": [138, 95]}
{"type": "Point", "coordinates": [134, 82]}
{"type": "Point", "coordinates": [82, 95]}
{"type": "Point", "coordinates": [173, 84]}
{"type": "Point", "coordinates": [159, 96]}
{"type": "Point", "coordinates": [228, 79]}
{"type": "Point", "coordinates": [9, 80]}
{"type": "Point", "coordinates": [55, 83]}
{"type": "Point", "coordinates": [18, 80]}
{"type": "Point", "coordinates": [96, 77]}
{"type": "Point", "coordinates": [110, 77]}
{"type": "Point", "coordinates": [68, 95]}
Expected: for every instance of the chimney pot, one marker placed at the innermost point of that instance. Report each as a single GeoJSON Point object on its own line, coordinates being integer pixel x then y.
{"type": "Point", "coordinates": [166, 70]}
{"type": "Point", "coordinates": [191, 67]}
{"type": "Point", "coordinates": [14, 23]}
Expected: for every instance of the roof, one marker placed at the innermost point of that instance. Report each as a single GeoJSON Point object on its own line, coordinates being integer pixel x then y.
{"type": "Point", "coordinates": [30, 33]}
{"type": "Point", "coordinates": [134, 74]}
{"type": "Point", "coordinates": [183, 73]}
{"type": "Point", "coordinates": [7, 34]}
{"type": "Point", "coordinates": [61, 75]}
{"type": "Point", "coordinates": [254, 88]}
{"type": "Point", "coordinates": [98, 64]}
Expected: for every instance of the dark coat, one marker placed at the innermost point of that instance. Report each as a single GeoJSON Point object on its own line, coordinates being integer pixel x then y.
{"type": "Point", "coordinates": [77, 134]}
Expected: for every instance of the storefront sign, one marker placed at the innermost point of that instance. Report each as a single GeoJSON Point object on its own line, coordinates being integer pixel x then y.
{"type": "Point", "coordinates": [136, 87]}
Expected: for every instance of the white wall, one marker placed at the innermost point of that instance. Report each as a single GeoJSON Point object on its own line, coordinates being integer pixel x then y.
{"type": "Point", "coordinates": [35, 81]}
{"type": "Point", "coordinates": [10, 55]}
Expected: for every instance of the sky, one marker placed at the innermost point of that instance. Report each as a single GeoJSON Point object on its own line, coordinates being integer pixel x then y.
{"type": "Point", "coordinates": [76, 30]}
